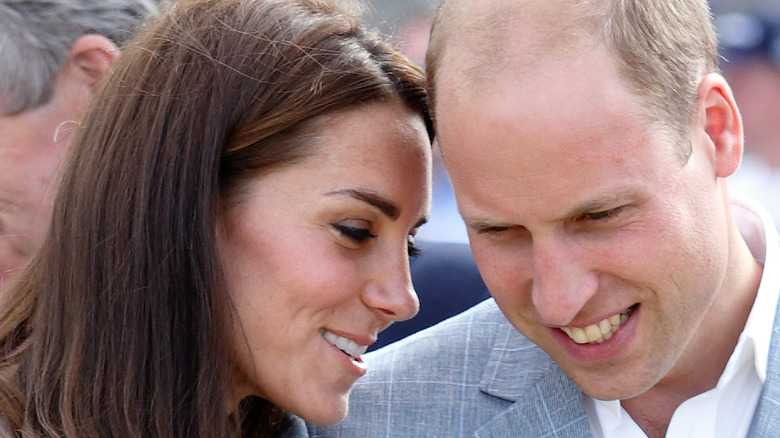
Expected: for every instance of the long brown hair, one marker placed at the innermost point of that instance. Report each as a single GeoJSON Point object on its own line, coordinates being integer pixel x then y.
{"type": "Point", "coordinates": [118, 326]}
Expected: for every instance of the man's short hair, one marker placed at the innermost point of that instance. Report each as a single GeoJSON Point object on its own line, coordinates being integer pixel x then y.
{"type": "Point", "coordinates": [660, 47]}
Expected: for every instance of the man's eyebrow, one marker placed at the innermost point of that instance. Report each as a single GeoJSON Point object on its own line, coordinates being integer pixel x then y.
{"type": "Point", "coordinates": [384, 205]}
{"type": "Point", "coordinates": [605, 202]}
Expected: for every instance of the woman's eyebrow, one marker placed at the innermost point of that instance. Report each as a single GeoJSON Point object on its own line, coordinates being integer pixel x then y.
{"type": "Point", "coordinates": [387, 207]}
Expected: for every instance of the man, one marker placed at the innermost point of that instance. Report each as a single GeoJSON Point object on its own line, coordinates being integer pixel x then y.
{"type": "Point", "coordinates": [588, 144]}
{"type": "Point", "coordinates": [53, 53]}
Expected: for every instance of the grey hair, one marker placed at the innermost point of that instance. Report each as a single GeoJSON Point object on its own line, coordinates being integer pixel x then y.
{"type": "Point", "coordinates": [36, 35]}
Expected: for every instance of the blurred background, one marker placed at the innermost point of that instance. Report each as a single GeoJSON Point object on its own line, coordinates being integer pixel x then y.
{"type": "Point", "coordinates": [749, 37]}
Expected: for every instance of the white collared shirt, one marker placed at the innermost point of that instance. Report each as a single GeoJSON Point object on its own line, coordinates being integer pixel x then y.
{"type": "Point", "coordinates": [725, 411]}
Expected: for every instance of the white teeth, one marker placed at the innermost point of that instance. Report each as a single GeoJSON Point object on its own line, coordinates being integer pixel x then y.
{"type": "Point", "coordinates": [600, 332]}
{"type": "Point", "coordinates": [349, 347]}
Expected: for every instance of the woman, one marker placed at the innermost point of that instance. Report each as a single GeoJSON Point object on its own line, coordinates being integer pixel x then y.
{"type": "Point", "coordinates": [231, 231]}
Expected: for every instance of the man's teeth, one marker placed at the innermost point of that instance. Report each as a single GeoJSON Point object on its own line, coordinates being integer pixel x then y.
{"type": "Point", "coordinates": [351, 348]}
{"type": "Point", "coordinates": [598, 333]}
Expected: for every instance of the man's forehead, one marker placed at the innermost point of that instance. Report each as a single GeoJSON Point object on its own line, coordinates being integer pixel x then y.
{"type": "Point", "coordinates": [483, 38]}
{"type": "Point", "coordinates": [576, 99]}
{"type": "Point", "coordinates": [519, 73]}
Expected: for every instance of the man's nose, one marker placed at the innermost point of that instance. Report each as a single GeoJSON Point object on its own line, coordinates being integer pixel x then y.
{"type": "Point", "coordinates": [562, 281]}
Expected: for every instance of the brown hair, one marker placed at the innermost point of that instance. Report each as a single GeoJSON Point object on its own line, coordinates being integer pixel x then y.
{"type": "Point", "coordinates": [661, 47]}
{"type": "Point", "coordinates": [118, 325]}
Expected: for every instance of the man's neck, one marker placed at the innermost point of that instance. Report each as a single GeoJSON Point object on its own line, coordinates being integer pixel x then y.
{"type": "Point", "coordinates": [652, 411]}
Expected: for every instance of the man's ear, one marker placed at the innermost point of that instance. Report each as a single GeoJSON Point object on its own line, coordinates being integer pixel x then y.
{"type": "Point", "coordinates": [719, 115]}
{"type": "Point", "coordinates": [91, 56]}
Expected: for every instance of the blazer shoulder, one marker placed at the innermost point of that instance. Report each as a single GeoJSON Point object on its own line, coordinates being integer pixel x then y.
{"type": "Point", "coordinates": [448, 380]}
{"type": "Point", "coordinates": [475, 329]}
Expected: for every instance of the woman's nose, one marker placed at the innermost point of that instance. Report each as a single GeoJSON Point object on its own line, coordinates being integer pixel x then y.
{"type": "Point", "coordinates": [391, 292]}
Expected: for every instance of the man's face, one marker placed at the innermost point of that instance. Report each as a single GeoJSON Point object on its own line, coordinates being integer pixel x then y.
{"type": "Point", "coordinates": [597, 241]}
{"type": "Point", "coordinates": [30, 157]}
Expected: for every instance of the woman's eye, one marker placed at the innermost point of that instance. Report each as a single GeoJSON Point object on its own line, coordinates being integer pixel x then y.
{"type": "Point", "coordinates": [413, 250]}
{"type": "Point", "coordinates": [356, 234]}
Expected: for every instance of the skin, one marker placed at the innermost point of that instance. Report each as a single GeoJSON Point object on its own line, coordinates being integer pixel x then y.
{"type": "Point", "coordinates": [33, 145]}
{"type": "Point", "coordinates": [298, 258]}
{"type": "Point", "coordinates": [578, 209]}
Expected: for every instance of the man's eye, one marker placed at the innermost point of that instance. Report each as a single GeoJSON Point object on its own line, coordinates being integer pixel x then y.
{"type": "Point", "coordinates": [603, 215]}
{"type": "Point", "coordinates": [357, 234]}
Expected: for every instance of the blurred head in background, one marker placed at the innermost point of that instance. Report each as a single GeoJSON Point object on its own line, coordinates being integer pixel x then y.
{"type": "Point", "coordinates": [53, 52]}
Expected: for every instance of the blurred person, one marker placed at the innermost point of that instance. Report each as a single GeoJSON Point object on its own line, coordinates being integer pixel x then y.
{"type": "Point", "coordinates": [232, 230]}
{"type": "Point", "coordinates": [589, 145]}
{"type": "Point", "coordinates": [750, 43]}
{"type": "Point", "coordinates": [54, 52]}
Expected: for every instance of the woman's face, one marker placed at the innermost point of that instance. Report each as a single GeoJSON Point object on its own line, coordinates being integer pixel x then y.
{"type": "Point", "coordinates": [316, 259]}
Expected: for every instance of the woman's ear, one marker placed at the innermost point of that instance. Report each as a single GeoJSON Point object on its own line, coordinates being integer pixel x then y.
{"type": "Point", "coordinates": [722, 123]}
{"type": "Point", "coordinates": [91, 56]}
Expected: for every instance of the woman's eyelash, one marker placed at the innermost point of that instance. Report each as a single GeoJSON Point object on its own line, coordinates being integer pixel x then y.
{"type": "Point", "coordinates": [413, 250]}
{"type": "Point", "coordinates": [357, 234]}
{"type": "Point", "coordinates": [360, 235]}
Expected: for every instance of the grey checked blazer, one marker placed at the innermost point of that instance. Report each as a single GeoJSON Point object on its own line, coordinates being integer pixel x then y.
{"type": "Point", "coordinates": [474, 375]}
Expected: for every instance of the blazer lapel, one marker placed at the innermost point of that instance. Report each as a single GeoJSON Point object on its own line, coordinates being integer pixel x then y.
{"type": "Point", "coordinates": [551, 408]}
{"type": "Point", "coordinates": [546, 401]}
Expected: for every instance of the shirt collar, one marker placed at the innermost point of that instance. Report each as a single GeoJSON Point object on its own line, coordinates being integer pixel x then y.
{"type": "Point", "coordinates": [760, 234]}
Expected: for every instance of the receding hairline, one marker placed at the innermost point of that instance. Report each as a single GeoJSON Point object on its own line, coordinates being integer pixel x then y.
{"type": "Point", "coordinates": [473, 38]}
{"type": "Point", "coordinates": [467, 26]}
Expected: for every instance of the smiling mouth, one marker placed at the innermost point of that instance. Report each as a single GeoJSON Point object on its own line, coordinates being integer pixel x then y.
{"type": "Point", "coordinates": [348, 347]}
{"type": "Point", "coordinates": [600, 332]}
